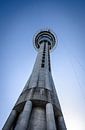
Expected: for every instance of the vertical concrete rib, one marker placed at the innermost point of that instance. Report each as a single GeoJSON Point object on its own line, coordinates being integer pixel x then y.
{"type": "Point", "coordinates": [37, 120]}
{"type": "Point", "coordinates": [22, 122]}
{"type": "Point", "coordinates": [47, 82]}
{"type": "Point", "coordinates": [36, 69]}
{"type": "Point", "coordinates": [61, 123]}
{"type": "Point", "coordinates": [50, 117]}
{"type": "Point", "coordinates": [10, 120]}
{"type": "Point", "coordinates": [41, 71]}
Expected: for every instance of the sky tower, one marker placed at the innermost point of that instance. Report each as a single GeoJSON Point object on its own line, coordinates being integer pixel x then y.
{"type": "Point", "coordinates": [38, 108]}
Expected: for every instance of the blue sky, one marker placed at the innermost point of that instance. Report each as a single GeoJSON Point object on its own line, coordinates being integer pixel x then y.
{"type": "Point", "coordinates": [19, 21]}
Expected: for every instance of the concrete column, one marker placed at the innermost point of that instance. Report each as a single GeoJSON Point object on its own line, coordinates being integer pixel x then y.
{"type": "Point", "coordinates": [37, 120]}
{"type": "Point", "coordinates": [10, 120]}
{"type": "Point", "coordinates": [61, 123]}
{"type": "Point", "coordinates": [47, 81]}
{"type": "Point", "coordinates": [50, 117]}
{"type": "Point", "coordinates": [46, 58]}
{"type": "Point", "coordinates": [36, 68]}
{"type": "Point", "coordinates": [22, 122]}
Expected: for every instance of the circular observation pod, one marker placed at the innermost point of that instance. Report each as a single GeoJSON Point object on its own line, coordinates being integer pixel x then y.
{"type": "Point", "coordinates": [45, 36]}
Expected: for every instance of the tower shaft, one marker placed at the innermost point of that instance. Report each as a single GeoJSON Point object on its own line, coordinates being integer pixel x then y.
{"type": "Point", "coordinates": [38, 106]}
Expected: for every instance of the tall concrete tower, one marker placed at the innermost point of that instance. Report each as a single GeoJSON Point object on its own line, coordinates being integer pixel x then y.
{"type": "Point", "coordinates": [38, 106]}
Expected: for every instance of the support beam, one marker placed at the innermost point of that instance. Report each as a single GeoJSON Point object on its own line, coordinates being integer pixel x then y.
{"type": "Point", "coordinates": [50, 117]}
{"type": "Point", "coordinates": [22, 122]}
{"type": "Point", "coordinates": [37, 120]}
{"type": "Point", "coordinates": [10, 120]}
{"type": "Point", "coordinates": [61, 123]}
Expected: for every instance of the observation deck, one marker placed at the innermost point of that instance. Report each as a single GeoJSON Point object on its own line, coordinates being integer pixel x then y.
{"type": "Point", "coordinates": [45, 36]}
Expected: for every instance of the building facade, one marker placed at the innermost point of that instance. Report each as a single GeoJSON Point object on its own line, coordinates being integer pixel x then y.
{"type": "Point", "coordinates": [38, 108]}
